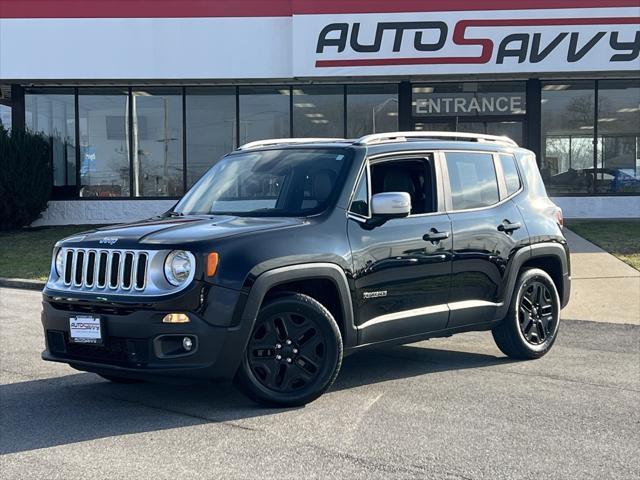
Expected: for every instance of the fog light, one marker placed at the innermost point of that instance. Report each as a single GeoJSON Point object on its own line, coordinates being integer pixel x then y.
{"type": "Point", "coordinates": [187, 344]}
{"type": "Point", "coordinates": [176, 318]}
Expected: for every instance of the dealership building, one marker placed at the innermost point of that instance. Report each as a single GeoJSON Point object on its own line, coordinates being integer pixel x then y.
{"type": "Point", "coordinates": [140, 97]}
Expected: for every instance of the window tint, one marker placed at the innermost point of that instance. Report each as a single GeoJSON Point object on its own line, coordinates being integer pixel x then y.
{"type": "Point", "coordinates": [510, 172]}
{"type": "Point", "coordinates": [360, 203]}
{"type": "Point", "coordinates": [411, 176]}
{"type": "Point", "coordinates": [473, 180]}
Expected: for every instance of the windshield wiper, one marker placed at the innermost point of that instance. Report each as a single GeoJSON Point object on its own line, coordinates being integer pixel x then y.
{"type": "Point", "coordinates": [174, 214]}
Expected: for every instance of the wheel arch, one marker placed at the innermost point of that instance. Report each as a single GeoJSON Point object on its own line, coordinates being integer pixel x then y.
{"type": "Point", "coordinates": [551, 257]}
{"type": "Point", "coordinates": [325, 280]}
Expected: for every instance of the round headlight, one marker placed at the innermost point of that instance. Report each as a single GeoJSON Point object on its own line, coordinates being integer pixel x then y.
{"type": "Point", "coordinates": [60, 263]}
{"type": "Point", "coordinates": [178, 267]}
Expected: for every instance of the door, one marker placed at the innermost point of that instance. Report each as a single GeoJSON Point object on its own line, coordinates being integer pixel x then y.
{"type": "Point", "coordinates": [401, 268]}
{"type": "Point", "coordinates": [487, 230]}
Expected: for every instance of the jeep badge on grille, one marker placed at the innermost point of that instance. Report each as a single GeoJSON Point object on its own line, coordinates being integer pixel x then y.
{"type": "Point", "coordinates": [109, 240]}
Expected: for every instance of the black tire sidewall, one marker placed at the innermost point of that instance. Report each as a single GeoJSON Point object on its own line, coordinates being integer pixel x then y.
{"type": "Point", "coordinates": [307, 306]}
{"type": "Point", "coordinates": [524, 280]}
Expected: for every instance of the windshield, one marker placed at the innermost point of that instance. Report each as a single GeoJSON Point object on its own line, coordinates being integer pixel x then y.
{"type": "Point", "coordinates": [288, 182]}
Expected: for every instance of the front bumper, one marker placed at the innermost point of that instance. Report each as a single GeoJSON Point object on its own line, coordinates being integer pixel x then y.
{"type": "Point", "coordinates": [134, 340]}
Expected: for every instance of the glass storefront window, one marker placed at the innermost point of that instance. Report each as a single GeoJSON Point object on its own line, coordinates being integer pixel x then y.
{"type": "Point", "coordinates": [157, 142]}
{"type": "Point", "coordinates": [52, 113]}
{"type": "Point", "coordinates": [618, 167]}
{"type": "Point", "coordinates": [469, 99]}
{"type": "Point", "coordinates": [371, 109]}
{"type": "Point", "coordinates": [568, 110]}
{"type": "Point", "coordinates": [104, 142]}
{"type": "Point", "coordinates": [318, 111]}
{"type": "Point", "coordinates": [5, 116]}
{"type": "Point", "coordinates": [264, 113]}
{"type": "Point", "coordinates": [210, 127]}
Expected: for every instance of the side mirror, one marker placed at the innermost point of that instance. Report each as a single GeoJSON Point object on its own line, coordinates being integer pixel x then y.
{"type": "Point", "coordinates": [391, 205]}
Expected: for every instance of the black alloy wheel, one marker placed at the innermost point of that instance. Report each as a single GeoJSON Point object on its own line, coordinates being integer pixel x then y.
{"type": "Point", "coordinates": [294, 352]}
{"type": "Point", "coordinates": [536, 316]}
{"type": "Point", "coordinates": [531, 326]}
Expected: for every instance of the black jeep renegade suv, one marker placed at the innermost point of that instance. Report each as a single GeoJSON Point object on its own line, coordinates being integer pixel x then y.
{"type": "Point", "coordinates": [288, 254]}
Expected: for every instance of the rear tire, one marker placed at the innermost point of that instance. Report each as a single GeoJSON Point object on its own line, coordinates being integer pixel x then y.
{"type": "Point", "coordinates": [116, 379]}
{"type": "Point", "coordinates": [531, 326]}
{"type": "Point", "coordinates": [294, 353]}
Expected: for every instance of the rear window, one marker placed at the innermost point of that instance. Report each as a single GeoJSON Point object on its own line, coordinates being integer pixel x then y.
{"type": "Point", "coordinates": [510, 171]}
{"type": "Point", "coordinates": [472, 179]}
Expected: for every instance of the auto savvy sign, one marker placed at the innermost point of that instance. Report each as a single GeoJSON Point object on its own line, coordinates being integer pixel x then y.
{"type": "Point", "coordinates": [474, 42]}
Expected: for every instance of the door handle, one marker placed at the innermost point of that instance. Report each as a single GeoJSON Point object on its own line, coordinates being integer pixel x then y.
{"type": "Point", "coordinates": [435, 236]}
{"type": "Point", "coordinates": [508, 227]}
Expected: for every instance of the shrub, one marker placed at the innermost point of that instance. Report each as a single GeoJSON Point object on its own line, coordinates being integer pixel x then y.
{"type": "Point", "coordinates": [25, 177]}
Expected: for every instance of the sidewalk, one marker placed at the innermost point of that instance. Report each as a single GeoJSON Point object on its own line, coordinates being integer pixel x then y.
{"type": "Point", "coordinates": [603, 288]}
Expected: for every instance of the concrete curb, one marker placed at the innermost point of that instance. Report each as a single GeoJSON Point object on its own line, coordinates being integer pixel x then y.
{"type": "Point", "coordinates": [21, 283]}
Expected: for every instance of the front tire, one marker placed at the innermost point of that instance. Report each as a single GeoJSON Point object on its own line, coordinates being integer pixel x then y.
{"type": "Point", "coordinates": [531, 326]}
{"type": "Point", "coordinates": [294, 353]}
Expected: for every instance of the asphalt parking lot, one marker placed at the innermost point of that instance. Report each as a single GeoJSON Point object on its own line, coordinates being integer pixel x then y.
{"type": "Point", "coordinates": [445, 409]}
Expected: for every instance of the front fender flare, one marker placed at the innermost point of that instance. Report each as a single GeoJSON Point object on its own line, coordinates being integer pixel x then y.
{"type": "Point", "coordinates": [278, 276]}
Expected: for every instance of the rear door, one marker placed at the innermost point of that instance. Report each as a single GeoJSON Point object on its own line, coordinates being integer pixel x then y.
{"type": "Point", "coordinates": [487, 230]}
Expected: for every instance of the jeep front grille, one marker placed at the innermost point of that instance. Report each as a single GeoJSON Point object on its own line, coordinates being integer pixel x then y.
{"type": "Point", "coordinates": [113, 271]}
{"type": "Point", "coordinates": [105, 269]}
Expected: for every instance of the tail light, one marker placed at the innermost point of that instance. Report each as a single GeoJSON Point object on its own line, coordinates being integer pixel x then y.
{"type": "Point", "coordinates": [558, 217]}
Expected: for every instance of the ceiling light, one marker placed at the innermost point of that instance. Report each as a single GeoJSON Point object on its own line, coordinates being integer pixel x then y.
{"type": "Point", "coordinates": [607, 119]}
{"type": "Point", "coordinates": [629, 110]}
{"type": "Point", "coordinates": [555, 87]}
{"type": "Point", "coordinates": [297, 91]}
{"type": "Point", "coordinates": [320, 121]}
{"type": "Point", "coordinates": [392, 114]}
{"type": "Point", "coordinates": [586, 127]}
{"type": "Point", "coordinates": [422, 89]}
{"type": "Point", "coordinates": [284, 92]}
{"type": "Point", "coordinates": [304, 105]}
{"type": "Point", "coordinates": [314, 115]}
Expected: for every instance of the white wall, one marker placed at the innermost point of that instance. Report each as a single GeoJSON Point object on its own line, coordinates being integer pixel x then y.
{"type": "Point", "coordinates": [599, 207]}
{"type": "Point", "coordinates": [85, 212]}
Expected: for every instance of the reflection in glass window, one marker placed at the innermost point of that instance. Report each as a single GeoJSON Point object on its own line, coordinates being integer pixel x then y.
{"type": "Point", "coordinates": [157, 142]}
{"type": "Point", "coordinates": [371, 109]}
{"type": "Point", "coordinates": [264, 113]}
{"type": "Point", "coordinates": [52, 113]}
{"type": "Point", "coordinates": [618, 136]}
{"type": "Point", "coordinates": [567, 136]}
{"type": "Point", "coordinates": [510, 172]}
{"type": "Point", "coordinates": [104, 143]}
{"type": "Point", "coordinates": [318, 111]}
{"type": "Point", "coordinates": [472, 177]}
{"type": "Point", "coordinates": [5, 116]}
{"type": "Point", "coordinates": [211, 128]}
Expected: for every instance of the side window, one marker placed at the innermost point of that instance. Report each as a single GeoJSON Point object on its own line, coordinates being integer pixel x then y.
{"type": "Point", "coordinates": [413, 176]}
{"type": "Point", "coordinates": [473, 179]}
{"type": "Point", "coordinates": [360, 203]}
{"type": "Point", "coordinates": [510, 172]}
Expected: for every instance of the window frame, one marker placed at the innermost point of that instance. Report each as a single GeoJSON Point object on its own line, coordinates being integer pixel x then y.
{"type": "Point", "coordinates": [430, 156]}
{"type": "Point", "coordinates": [502, 197]}
{"type": "Point", "coordinates": [502, 181]}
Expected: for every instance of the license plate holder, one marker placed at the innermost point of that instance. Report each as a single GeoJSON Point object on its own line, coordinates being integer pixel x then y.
{"type": "Point", "coordinates": [85, 329]}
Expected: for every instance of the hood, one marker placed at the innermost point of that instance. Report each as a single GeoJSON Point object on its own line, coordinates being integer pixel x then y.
{"type": "Point", "coordinates": [182, 230]}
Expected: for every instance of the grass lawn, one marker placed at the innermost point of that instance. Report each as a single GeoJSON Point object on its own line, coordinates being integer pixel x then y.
{"type": "Point", "coordinates": [27, 253]}
{"type": "Point", "coordinates": [618, 237]}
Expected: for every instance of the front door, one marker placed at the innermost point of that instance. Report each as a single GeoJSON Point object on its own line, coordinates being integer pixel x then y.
{"type": "Point", "coordinates": [401, 268]}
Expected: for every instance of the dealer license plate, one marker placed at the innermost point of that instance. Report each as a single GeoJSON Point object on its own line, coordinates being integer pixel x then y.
{"type": "Point", "coordinates": [85, 329]}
